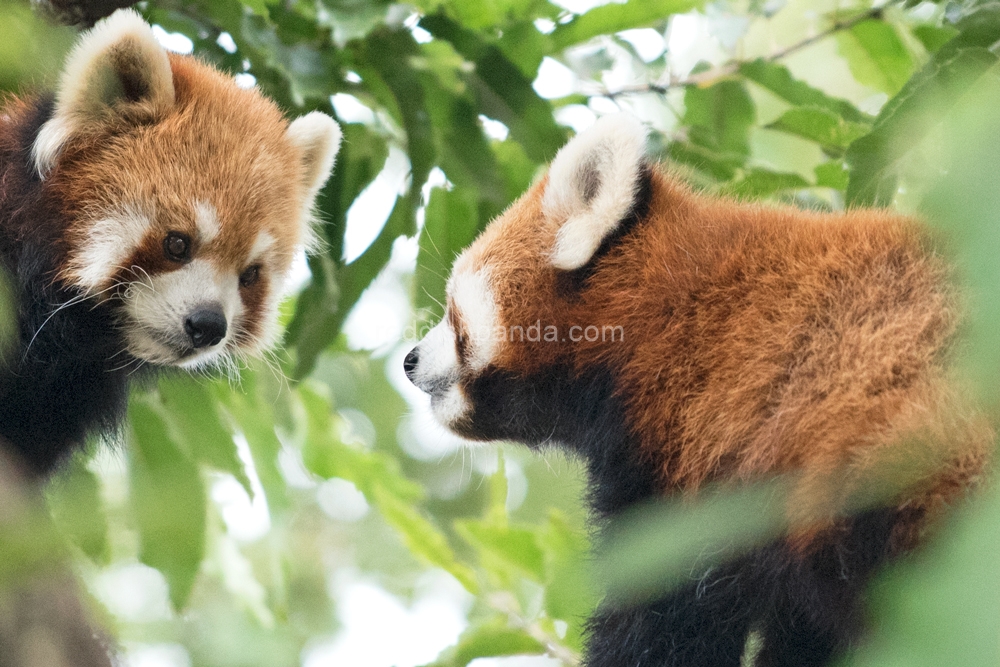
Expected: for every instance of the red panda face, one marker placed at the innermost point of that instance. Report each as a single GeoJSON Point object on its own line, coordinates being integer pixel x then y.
{"type": "Point", "coordinates": [517, 325]}
{"type": "Point", "coordinates": [188, 197]}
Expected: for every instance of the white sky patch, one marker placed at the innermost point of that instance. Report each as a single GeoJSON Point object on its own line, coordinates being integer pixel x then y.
{"type": "Point", "coordinates": [494, 129]}
{"type": "Point", "coordinates": [581, 6]}
{"type": "Point", "coordinates": [351, 110]}
{"type": "Point", "coordinates": [554, 79]}
{"type": "Point", "coordinates": [420, 631]}
{"type": "Point", "coordinates": [648, 43]}
{"type": "Point", "coordinates": [379, 318]}
{"type": "Point", "coordinates": [226, 42]}
{"type": "Point", "coordinates": [173, 41]}
{"type": "Point", "coordinates": [383, 315]}
{"type": "Point", "coordinates": [294, 470]}
{"type": "Point", "coordinates": [576, 116]}
{"type": "Point", "coordinates": [420, 35]}
{"type": "Point", "coordinates": [245, 80]}
{"type": "Point", "coordinates": [156, 655]}
{"type": "Point", "coordinates": [690, 40]}
{"type": "Point", "coordinates": [134, 592]}
{"type": "Point", "coordinates": [369, 212]}
{"type": "Point", "coordinates": [298, 274]}
{"type": "Point", "coordinates": [246, 519]}
{"type": "Point", "coordinates": [603, 105]}
{"type": "Point", "coordinates": [545, 26]}
{"type": "Point", "coordinates": [341, 500]}
{"type": "Point", "coordinates": [352, 77]}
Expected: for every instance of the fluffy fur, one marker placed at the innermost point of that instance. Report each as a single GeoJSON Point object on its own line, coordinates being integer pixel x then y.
{"type": "Point", "coordinates": [703, 340]}
{"type": "Point", "coordinates": [149, 213]}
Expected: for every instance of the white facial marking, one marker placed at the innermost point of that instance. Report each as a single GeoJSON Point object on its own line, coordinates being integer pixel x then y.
{"type": "Point", "coordinates": [592, 185]}
{"type": "Point", "coordinates": [207, 220]}
{"type": "Point", "coordinates": [158, 307]}
{"type": "Point", "coordinates": [474, 301]}
{"type": "Point", "coordinates": [110, 242]}
{"type": "Point", "coordinates": [263, 243]}
{"type": "Point", "coordinates": [452, 407]}
{"type": "Point", "coordinates": [438, 358]}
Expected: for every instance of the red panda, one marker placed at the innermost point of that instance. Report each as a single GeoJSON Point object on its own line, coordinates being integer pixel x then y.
{"type": "Point", "coordinates": [672, 340]}
{"type": "Point", "coordinates": [150, 211]}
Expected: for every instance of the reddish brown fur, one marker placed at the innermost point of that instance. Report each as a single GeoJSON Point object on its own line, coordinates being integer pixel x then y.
{"type": "Point", "coordinates": [760, 340]}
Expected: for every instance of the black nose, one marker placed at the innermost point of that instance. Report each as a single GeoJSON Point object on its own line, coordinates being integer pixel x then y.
{"type": "Point", "coordinates": [410, 365]}
{"type": "Point", "coordinates": [206, 326]}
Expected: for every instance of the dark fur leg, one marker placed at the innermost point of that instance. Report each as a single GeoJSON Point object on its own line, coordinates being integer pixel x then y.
{"type": "Point", "coordinates": [701, 625]}
{"type": "Point", "coordinates": [795, 641]}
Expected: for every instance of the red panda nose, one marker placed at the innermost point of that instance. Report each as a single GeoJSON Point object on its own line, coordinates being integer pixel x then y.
{"type": "Point", "coordinates": [206, 326]}
{"type": "Point", "coordinates": [410, 365]}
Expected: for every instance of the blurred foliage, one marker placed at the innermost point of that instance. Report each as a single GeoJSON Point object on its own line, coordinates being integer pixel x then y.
{"type": "Point", "coordinates": [814, 102]}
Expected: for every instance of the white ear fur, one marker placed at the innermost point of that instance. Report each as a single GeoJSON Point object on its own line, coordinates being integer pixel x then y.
{"type": "Point", "coordinates": [592, 185]}
{"type": "Point", "coordinates": [318, 137]}
{"type": "Point", "coordinates": [118, 61]}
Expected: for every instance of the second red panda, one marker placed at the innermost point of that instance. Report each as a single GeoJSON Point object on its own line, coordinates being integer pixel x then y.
{"type": "Point", "coordinates": [674, 340]}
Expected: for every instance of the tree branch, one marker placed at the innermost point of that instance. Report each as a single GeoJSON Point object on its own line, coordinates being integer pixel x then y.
{"type": "Point", "coordinates": [731, 67]}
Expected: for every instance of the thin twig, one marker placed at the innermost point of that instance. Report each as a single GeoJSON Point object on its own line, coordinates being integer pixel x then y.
{"type": "Point", "coordinates": [731, 67]}
{"type": "Point", "coordinates": [507, 604]}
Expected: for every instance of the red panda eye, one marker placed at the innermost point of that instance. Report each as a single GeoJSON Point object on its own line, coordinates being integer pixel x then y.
{"type": "Point", "coordinates": [177, 247]}
{"type": "Point", "coordinates": [250, 276]}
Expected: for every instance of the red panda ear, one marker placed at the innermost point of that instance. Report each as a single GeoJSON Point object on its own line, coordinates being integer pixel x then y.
{"type": "Point", "coordinates": [318, 137]}
{"type": "Point", "coordinates": [593, 182]}
{"type": "Point", "coordinates": [117, 70]}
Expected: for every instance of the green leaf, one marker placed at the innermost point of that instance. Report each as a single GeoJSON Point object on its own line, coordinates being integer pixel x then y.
{"type": "Point", "coordinates": [451, 224]}
{"type": "Point", "coordinates": [907, 118]}
{"type": "Point", "coordinates": [942, 609]}
{"type": "Point", "coordinates": [759, 183]}
{"type": "Point", "coordinates": [502, 91]}
{"type": "Point", "coordinates": [488, 640]}
{"type": "Point", "coordinates": [169, 502]}
{"type": "Point", "coordinates": [777, 79]}
{"type": "Point", "coordinates": [191, 408]}
{"type": "Point", "coordinates": [832, 175]}
{"type": "Point", "coordinates": [570, 593]}
{"type": "Point", "coordinates": [525, 46]}
{"type": "Point", "coordinates": [258, 7]}
{"type": "Point", "coordinates": [656, 546]}
{"type": "Point", "coordinates": [74, 497]}
{"type": "Point", "coordinates": [718, 119]}
{"type": "Point", "coordinates": [390, 53]}
{"type": "Point", "coordinates": [614, 17]}
{"type": "Point", "coordinates": [876, 55]}
{"type": "Point", "coordinates": [325, 455]}
{"type": "Point", "coordinates": [830, 131]}
{"type": "Point", "coordinates": [965, 204]}
{"type": "Point", "coordinates": [422, 538]}
{"type": "Point", "coordinates": [319, 309]}
{"type": "Point", "coordinates": [934, 37]}
{"type": "Point", "coordinates": [505, 551]}
{"type": "Point", "coordinates": [255, 418]}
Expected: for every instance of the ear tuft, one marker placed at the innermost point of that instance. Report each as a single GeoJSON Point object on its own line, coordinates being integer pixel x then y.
{"type": "Point", "coordinates": [318, 137]}
{"type": "Point", "coordinates": [593, 183]}
{"type": "Point", "coordinates": [116, 68]}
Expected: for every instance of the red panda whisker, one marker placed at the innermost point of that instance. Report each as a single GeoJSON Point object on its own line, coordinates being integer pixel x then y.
{"type": "Point", "coordinates": [72, 302]}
